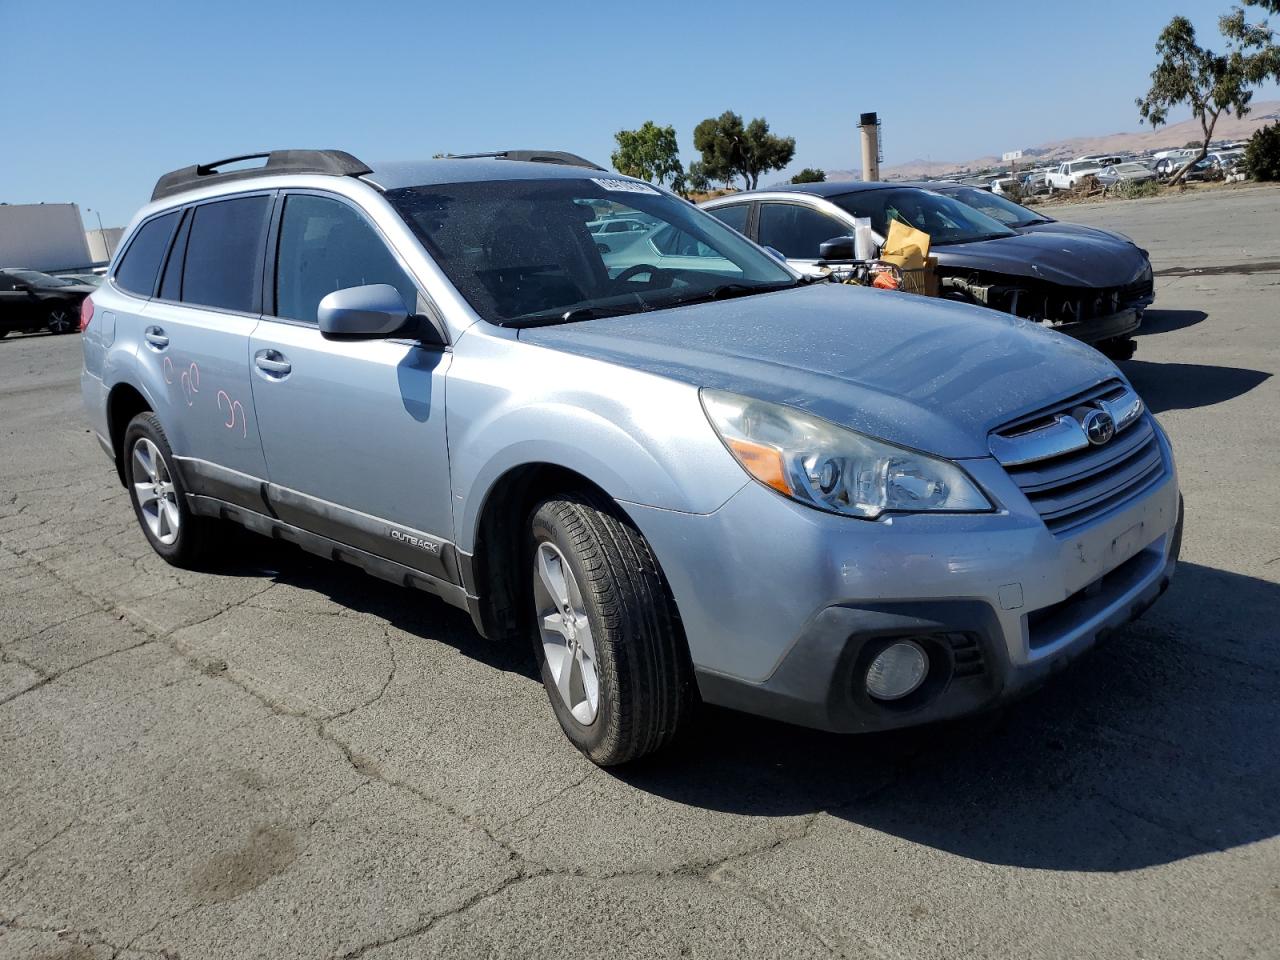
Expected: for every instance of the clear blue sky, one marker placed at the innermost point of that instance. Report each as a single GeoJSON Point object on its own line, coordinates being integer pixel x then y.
{"type": "Point", "coordinates": [101, 99]}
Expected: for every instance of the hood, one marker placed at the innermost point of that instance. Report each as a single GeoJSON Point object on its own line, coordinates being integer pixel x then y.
{"type": "Point", "coordinates": [930, 374]}
{"type": "Point", "coordinates": [1076, 230]}
{"type": "Point", "coordinates": [1072, 260]}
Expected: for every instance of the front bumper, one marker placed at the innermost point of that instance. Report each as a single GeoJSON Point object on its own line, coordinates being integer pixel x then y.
{"type": "Point", "coordinates": [784, 606]}
{"type": "Point", "coordinates": [1120, 324]}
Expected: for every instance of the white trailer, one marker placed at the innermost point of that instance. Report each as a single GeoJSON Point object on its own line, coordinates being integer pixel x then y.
{"type": "Point", "coordinates": [43, 236]}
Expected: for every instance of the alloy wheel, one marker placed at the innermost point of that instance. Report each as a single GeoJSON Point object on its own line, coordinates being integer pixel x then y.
{"type": "Point", "coordinates": [61, 320]}
{"type": "Point", "coordinates": [565, 631]}
{"type": "Point", "coordinates": [157, 496]}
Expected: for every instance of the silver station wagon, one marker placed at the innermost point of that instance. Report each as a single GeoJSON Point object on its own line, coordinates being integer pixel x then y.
{"type": "Point", "coordinates": [680, 469]}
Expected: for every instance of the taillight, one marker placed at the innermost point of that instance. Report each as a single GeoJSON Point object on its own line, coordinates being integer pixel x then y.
{"type": "Point", "coordinates": [86, 313]}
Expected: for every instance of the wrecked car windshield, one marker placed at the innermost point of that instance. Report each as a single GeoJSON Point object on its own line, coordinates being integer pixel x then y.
{"type": "Point", "coordinates": [996, 207]}
{"type": "Point", "coordinates": [522, 252]}
{"type": "Point", "coordinates": [944, 219]}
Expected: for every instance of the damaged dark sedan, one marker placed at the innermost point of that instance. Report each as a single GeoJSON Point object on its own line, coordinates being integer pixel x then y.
{"type": "Point", "coordinates": [1093, 288]}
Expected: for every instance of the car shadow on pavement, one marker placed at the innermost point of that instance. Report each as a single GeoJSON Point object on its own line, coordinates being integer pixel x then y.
{"type": "Point", "coordinates": [1158, 746]}
{"type": "Point", "coordinates": [1166, 321]}
{"type": "Point", "coordinates": [1184, 386]}
{"type": "Point", "coordinates": [419, 614]}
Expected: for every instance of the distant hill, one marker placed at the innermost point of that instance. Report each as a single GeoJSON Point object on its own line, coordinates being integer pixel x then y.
{"type": "Point", "coordinates": [1174, 135]}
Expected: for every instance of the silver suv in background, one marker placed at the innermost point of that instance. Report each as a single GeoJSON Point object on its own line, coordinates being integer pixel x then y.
{"type": "Point", "coordinates": [702, 478]}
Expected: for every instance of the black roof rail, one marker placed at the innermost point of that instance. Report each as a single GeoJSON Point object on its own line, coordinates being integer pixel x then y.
{"type": "Point", "coordinates": [335, 163]}
{"type": "Point", "coordinates": [531, 156]}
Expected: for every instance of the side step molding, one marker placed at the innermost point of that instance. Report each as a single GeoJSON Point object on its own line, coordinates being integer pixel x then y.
{"type": "Point", "coordinates": [332, 550]}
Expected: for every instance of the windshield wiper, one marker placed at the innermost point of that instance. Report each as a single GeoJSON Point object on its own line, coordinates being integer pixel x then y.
{"type": "Point", "coordinates": [727, 290]}
{"type": "Point", "coordinates": [572, 315]}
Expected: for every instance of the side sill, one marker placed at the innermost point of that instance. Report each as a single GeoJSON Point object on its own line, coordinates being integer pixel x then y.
{"type": "Point", "coordinates": [388, 570]}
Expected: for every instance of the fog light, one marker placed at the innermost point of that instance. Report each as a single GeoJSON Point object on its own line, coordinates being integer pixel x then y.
{"type": "Point", "coordinates": [897, 671]}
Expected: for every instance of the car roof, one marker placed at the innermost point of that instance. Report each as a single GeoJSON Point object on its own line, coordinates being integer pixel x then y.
{"type": "Point", "coordinates": [840, 188]}
{"type": "Point", "coordinates": [454, 168]}
{"type": "Point", "coordinates": [827, 188]}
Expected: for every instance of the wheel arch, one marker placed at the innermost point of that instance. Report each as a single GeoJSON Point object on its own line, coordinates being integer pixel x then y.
{"type": "Point", "coordinates": [492, 570]}
{"type": "Point", "coordinates": [124, 402]}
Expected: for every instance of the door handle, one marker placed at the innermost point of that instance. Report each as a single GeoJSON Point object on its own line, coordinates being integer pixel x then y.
{"type": "Point", "coordinates": [156, 338]}
{"type": "Point", "coordinates": [273, 363]}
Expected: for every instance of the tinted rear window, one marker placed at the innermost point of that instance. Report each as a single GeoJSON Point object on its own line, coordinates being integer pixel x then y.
{"type": "Point", "coordinates": [141, 261]}
{"type": "Point", "coordinates": [224, 254]}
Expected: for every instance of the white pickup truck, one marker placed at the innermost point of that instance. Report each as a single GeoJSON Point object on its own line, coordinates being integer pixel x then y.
{"type": "Point", "coordinates": [1070, 173]}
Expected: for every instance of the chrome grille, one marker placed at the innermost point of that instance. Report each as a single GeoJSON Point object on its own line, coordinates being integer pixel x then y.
{"type": "Point", "coordinates": [1068, 480]}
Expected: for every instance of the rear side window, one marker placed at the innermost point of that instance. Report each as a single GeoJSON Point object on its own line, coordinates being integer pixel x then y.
{"type": "Point", "coordinates": [141, 262]}
{"type": "Point", "coordinates": [734, 216]}
{"type": "Point", "coordinates": [325, 246]}
{"type": "Point", "coordinates": [224, 254]}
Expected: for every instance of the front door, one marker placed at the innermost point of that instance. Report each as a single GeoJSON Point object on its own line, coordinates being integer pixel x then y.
{"type": "Point", "coordinates": [797, 231]}
{"type": "Point", "coordinates": [354, 432]}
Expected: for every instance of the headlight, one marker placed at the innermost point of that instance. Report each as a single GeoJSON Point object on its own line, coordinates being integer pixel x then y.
{"type": "Point", "coordinates": [834, 469]}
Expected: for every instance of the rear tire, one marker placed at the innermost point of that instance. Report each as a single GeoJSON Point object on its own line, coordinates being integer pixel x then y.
{"type": "Point", "coordinates": [603, 614]}
{"type": "Point", "coordinates": [62, 319]}
{"type": "Point", "coordinates": [160, 500]}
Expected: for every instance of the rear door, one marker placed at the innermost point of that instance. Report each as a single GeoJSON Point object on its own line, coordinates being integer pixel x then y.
{"type": "Point", "coordinates": [195, 342]}
{"type": "Point", "coordinates": [354, 431]}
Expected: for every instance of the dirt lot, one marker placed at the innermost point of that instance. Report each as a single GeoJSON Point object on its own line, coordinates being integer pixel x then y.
{"type": "Point", "coordinates": [289, 759]}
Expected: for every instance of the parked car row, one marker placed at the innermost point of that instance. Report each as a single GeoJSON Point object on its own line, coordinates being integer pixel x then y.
{"type": "Point", "coordinates": [1110, 170]}
{"type": "Point", "coordinates": [677, 465]}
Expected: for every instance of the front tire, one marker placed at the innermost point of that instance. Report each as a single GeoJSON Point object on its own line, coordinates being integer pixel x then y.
{"type": "Point", "coordinates": [160, 500]}
{"type": "Point", "coordinates": [609, 643]}
{"type": "Point", "coordinates": [1119, 349]}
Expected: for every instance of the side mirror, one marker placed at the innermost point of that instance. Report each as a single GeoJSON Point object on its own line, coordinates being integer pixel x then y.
{"type": "Point", "coordinates": [837, 248]}
{"type": "Point", "coordinates": [372, 312]}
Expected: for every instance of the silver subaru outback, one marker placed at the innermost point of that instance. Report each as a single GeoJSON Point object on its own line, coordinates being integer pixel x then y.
{"type": "Point", "coordinates": [682, 471]}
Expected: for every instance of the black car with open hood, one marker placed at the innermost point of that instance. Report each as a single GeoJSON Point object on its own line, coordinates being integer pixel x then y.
{"type": "Point", "coordinates": [1093, 287]}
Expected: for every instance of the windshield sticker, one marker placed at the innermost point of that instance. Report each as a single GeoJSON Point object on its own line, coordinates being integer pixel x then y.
{"type": "Point", "coordinates": [623, 186]}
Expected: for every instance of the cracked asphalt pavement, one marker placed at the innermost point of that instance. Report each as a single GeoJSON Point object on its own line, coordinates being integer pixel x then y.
{"type": "Point", "coordinates": [286, 758]}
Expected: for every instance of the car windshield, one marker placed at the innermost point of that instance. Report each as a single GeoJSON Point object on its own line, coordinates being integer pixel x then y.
{"type": "Point", "coordinates": [946, 221]}
{"type": "Point", "coordinates": [38, 279]}
{"type": "Point", "coordinates": [1130, 168]}
{"type": "Point", "coordinates": [996, 207]}
{"type": "Point", "coordinates": [527, 252]}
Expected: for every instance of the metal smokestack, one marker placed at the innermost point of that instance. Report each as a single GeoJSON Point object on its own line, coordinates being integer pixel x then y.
{"type": "Point", "coordinates": [869, 125]}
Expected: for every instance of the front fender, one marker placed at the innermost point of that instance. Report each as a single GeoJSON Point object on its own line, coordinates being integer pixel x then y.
{"type": "Point", "coordinates": [640, 438]}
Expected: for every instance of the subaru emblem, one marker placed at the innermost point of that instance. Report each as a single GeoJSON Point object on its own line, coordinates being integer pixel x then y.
{"type": "Point", "coordinates": [1099, 427]}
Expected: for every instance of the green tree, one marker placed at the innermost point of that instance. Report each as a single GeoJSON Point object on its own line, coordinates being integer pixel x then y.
{"type": "Point", "coordinates": [730, 149]}
{"type": "Point", "coordinates": [1209, 82]}
{"type": "Point", "coordinates": [696, 179]}
{"type": "Point", "coordinates": [810, 175]}
{"type": "Point", "coordinates": [650, 153]}
{"type": "Point", "coordinates": [1262, 154]}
